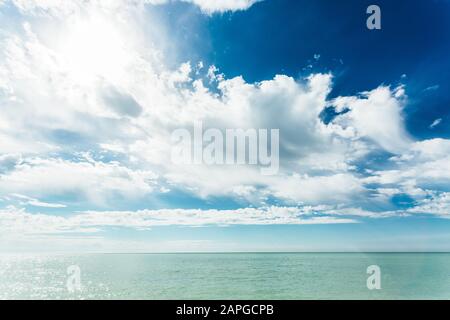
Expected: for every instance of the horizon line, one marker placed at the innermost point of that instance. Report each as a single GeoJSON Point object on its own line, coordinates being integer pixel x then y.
{"type": "Point", "coordinates": [232, 252]}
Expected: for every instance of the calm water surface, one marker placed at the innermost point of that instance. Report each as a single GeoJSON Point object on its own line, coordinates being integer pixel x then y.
{"type": "Point", "coordinates": [227, 276]}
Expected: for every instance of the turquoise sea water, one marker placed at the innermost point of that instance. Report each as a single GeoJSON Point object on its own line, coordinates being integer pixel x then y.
{"type": "Point", "coordinates": [227, 276]}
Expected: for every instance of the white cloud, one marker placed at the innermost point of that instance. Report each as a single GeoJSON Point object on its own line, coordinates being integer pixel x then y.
{"type": "Point", "coordinates": [129, 103]}
{"type": "Point", "coordinates": [420, 171]}
{"type": "Point", "coordinates": [212, 6]}
{"type": "Point", "coordinates": [63, 7]}
{"type": "Point", "coordinates": [438, 204]}
{"type": "Point", "coordinates": [99, 82]}
{"type": "Point", "coordinates": [25, 200]}
{"type": "Point", "coordinates": [89, 180]}
{"type": "Point", "coordinates": [47, 6]}
{"type": "Point", "coordinates": [376, 115]}
{"type": "Point", "coordinates": [432, 88]}
{"type": "Point", "coordinates": [435, 123]}
{"type": "Point", "coordinates": [337, 188]}
{"type": "Point", "coordinates": [18, 221]}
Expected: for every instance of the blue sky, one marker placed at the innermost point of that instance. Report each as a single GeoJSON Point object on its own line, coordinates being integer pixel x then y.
{"type": "Point", "coordinates": [91, 92]}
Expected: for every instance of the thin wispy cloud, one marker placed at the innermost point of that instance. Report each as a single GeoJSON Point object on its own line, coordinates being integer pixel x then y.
{"type": "Point", "coordinates": [435, 123]}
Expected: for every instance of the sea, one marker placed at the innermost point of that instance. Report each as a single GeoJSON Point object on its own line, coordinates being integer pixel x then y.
{"type": "Point", "coordinates": [303, 276]}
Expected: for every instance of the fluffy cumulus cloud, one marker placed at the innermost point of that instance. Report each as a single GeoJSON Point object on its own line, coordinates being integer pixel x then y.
{"type": "Point", "coordinates": [90, 100]}
{"type": "Point", "coordinates": [90, 179]}
{"type": "Point", "coordinates": [376, 115]}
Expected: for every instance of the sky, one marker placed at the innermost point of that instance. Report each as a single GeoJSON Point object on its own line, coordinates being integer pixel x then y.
{"type": "Point", "coordinates": [91, 92]}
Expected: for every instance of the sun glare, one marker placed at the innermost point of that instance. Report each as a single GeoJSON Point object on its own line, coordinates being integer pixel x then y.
{"type": "Point", "coordinates": [94, 48]}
